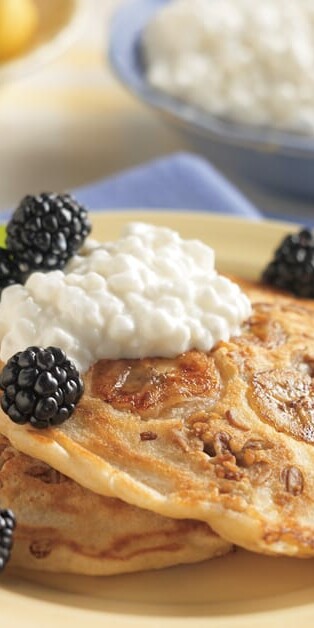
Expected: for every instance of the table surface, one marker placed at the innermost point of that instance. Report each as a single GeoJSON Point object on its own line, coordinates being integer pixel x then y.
{"type": "Point", "coordinates": [72, 123]}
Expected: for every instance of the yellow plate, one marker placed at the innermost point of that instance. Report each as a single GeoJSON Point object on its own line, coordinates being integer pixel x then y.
{"type": "Point", "coordinates": [58, 24]}
{"type": "Point", "coordinates": [241, 590]}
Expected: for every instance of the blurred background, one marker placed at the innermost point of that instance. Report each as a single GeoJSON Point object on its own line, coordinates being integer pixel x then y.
{"type": "Point", "coordinates": [65, 119]}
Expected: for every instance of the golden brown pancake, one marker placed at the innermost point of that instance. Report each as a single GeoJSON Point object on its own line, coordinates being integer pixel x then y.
{"type": "Point", "coordinates": [225, 437]}
{"type": "Point", "coordinates": [64, 527]}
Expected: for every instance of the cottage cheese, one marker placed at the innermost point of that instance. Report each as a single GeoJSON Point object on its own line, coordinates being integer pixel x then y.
{"type": "Point", "coordinates": [243, 60]}
{"type": "Point", "coordinates": [150, 293]}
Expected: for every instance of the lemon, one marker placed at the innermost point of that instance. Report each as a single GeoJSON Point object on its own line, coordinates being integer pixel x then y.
{"type": "Point", "coordinates": [3, 233]}
{"type": "Point", "coordinates": [18, 21]}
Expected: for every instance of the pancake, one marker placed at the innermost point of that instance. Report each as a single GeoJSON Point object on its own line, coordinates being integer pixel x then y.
{"type": "Point", "coordinates": [62, 527]}
{"type": "Point", "coordinates": [225, 437]}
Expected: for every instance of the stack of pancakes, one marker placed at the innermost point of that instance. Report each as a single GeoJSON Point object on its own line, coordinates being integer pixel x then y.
{"type": "Point", "coordinates": [167, 461]}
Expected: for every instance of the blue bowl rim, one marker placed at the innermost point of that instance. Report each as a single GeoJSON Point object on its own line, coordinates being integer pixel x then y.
{"type": "Point", "coordinates": [124, 46]}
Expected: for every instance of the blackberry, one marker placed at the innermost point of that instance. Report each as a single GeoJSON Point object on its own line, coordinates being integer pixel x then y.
{"type": "Point", "coordinates": [45, 231]}
{"type": "Point", "coordinates": [292, 267]}
{"type": "Point", "coordinates": [9, 271]}
{"type": "Point", "coordinates": [7, 525]}
{"type": "Point", "coordinates": [41, 387]}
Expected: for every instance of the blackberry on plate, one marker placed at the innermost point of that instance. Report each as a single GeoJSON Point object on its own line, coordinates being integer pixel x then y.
{"type": "Point", "coordinates": [41, 387]}
{"type": "Point", "coordinates": [9, 271]}
{"type": "Point", "coordinates": [292, 267]}
{"type": "Point", "coordinates": [7, 525]}
{"type": "Point", "coordinates": [45, 231]}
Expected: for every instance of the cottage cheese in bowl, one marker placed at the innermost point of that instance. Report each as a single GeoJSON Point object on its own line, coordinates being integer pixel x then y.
{"type": "Point", "coordinates": [148, 294]}
{"type": "Point", "coordinates": [243, 60]}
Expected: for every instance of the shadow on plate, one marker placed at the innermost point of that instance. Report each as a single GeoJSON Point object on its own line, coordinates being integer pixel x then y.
{"type": "Point", "coordinates": [238, 584]}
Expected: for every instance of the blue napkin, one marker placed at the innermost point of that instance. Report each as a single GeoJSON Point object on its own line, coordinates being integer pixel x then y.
{"type": "Point", "coordinates": [181, 181]}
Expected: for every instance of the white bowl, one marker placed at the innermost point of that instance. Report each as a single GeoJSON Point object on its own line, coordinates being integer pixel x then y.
{"type": "Point", "coordinates": [59, 24]}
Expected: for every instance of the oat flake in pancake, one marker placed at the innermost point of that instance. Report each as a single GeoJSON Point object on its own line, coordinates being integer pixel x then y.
{"type": "Point", "coordinates": [233, 432]}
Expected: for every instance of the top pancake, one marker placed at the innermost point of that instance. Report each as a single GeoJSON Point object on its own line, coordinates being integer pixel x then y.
{"type": "Point", "coordinates": [225, 437]}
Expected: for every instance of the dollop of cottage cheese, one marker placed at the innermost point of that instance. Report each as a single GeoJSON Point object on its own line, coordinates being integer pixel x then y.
{"type": "Point", "coordinates": [243, 60]}
{"type": "Point", "coordinates": [150, 293]}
